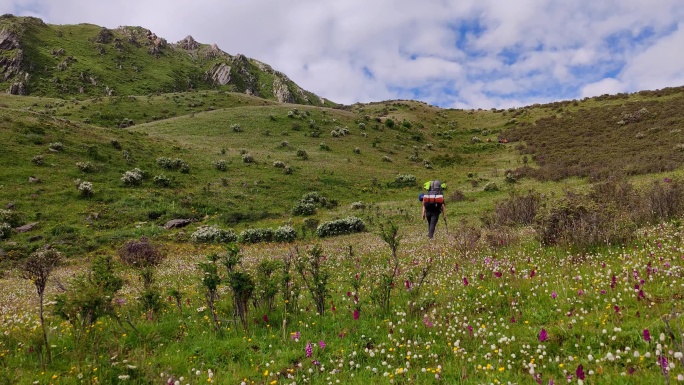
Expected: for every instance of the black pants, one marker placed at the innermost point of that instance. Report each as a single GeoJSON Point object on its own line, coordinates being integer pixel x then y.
{"type": "Point", "coordinates": [432, 218]}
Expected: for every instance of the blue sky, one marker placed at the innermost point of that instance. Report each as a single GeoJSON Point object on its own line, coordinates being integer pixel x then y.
{"type": "Point", "coordinates": [453, 54]}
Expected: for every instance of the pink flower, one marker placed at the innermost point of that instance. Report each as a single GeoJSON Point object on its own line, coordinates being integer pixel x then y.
{"type": "Point", "coordinates": [321, 344]}
{"type": "Point", "coordinates": [294, 336]}
{"type": "Point", "coordinates": [580, 372]}
{"type": "Point", "coordinates": [543, 336]}
{"type": "Point", "coordinates": [265, 318]}
{"type": "Point", "coordinates": [532, 273]}
{"type": "Point", "coordinates": [497, 274]}
{"type": "Point", "coordinates": [356, 315]}
{"type": "Point", "coordinates": [553, 294]}
{"type": "Point", "coordinates": [647, 335]}
{"type": "Point", "coordinates": [308, 350]}
{"type": "Point", "coordinates": [465, 281]}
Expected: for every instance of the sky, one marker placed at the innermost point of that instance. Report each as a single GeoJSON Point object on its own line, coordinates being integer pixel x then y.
{"type": "Point", "coordinates": [451, 54]}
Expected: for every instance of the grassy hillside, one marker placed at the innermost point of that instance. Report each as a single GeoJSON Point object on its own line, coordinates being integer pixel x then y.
{"type": "Point", "coordinates": [250, 160]}
{"type": "Point", "coordinates": [87, 60]}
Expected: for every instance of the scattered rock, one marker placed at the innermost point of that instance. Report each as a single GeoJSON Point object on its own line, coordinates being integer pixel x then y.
{"type": "Point", "coordinates": [35, 238]}
{"type": "Point", "coordinates": [33, 179]}
{"type": "Point", "coordinates": [177, 223]}
{"type": "Point", "coordinates": [282, 92]}
{"type": "Point", "coordinates": [27, 227]}
{"type": "Point", "coordinates": [10, 206]}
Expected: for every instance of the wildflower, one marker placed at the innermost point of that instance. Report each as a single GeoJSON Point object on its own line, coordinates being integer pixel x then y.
{"type": "Point", "coordinates": [309, 350]}
{"type": "Point", "coordinates": [553, 294]}
{"type": "Point", "coordinates": [616, 308]}
{"type": "Point", "coordinates": [356, 315]}
{"type": "Point", "coordinates": [295, 336]}
{"type": "Point", "coordinates": [543, 336]}
{"type": "Point", "coordinates": [647, 335]}
{"type": "Point", "coordinates": [465, 281]}
{"type": "Point", "coordinates": [497, 274]}
{"type": "Point", "coordinates": [321, 344]}
{"type": "Point", "coordinates": [662, 360]}
{"type": "Point", "coordinates": [580, 372]}
{"type": "Point", "coordinates": [532, 274]}
{"type": "Point", "coordinates": [265, 318]}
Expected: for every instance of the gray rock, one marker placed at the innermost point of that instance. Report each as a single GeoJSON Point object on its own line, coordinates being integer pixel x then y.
{"type": "Point", "coordinates": [177, 223]}
{"type": "Point", "coordinates": [27, 227]}
{"type": "Point", "coordinates": [33, 179]}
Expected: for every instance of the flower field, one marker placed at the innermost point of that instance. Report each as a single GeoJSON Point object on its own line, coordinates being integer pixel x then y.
{"type": "Point", "coordinates": [524, 314]}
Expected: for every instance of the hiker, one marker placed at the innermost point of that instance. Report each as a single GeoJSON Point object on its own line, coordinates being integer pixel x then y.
{"type": "Point", "coordinates": [433, 205]}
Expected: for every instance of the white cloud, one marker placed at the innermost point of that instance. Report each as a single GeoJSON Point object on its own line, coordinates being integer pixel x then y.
{"type": "Point", "coordinates": [525, 51]}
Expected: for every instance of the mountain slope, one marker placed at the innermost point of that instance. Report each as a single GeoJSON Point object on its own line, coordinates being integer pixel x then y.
{"type": "Point", "coordinates": [88, 60]}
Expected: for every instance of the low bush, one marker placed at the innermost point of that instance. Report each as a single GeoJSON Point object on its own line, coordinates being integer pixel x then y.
{"type": "Point", "coordinates": [132, 177]}
{"type": "Point", "coordinates": [285, 234]}
{"type": "Point", "coordinates": [347, 225]}
{"type": "Point", "coordinates": [5, 230]}
{"type": "Point", "coordinates": [85, 189]}
{"type": "Point", "coordinates": [86, 167]}
{"type": "Point", "coordinates": [256, 235]}
{"type": "Point", "coordinates": [140, 254]}
{"type": "Point", "coordinates": [212, 234]}
{"type": "Point", "coordinates": [162, 180]}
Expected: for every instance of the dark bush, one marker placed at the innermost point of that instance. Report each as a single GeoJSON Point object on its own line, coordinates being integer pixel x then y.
{"type": "Point", "coordinates": [140, 254]}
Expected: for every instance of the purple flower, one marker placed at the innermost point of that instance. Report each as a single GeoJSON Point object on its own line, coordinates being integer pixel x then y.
{"type": "Point", "coordinates": [294, 336]}
{"type": "Point", "coordinates": [427, 322]}
{"type": "Point", "coordinates": [308, 350]}
{"type": "Point", "coordinates": [532, 273]}
{"type": "Point", "coordinates": [616, 308]}
{"type": "Point", "coordinates": [647, 335]}
{"type": "Point", "coordinates": [356, 315]}
{"type": "Point", "coordinates": [580, 372]}
{"type": "Point", "coordinates": [497, 274]}
{"type": "Point", "coordinates": [543, 336]}
{"type": "Point", "coordinates": [265, 318]}
{"type": "Point", "coordinates": [554, 295]}
{"type": "Point", "coordinates": [321, 344]}
{"type": "Point", "coordinates": [465, 281]}
{"type": "Point", "coordinates": [662, 360]}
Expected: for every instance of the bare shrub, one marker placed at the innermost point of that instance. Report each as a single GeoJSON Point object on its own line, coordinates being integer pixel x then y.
{"type": "Point", "coordinates": [140, 254]}
{"type": "Point", "coordinates": [466, 238]}
{"type": "Point", "coordinates": [515, 210]}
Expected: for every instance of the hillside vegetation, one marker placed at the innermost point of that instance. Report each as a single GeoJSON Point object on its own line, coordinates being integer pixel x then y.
{"type": "Point", "coordinates": [171, 214]}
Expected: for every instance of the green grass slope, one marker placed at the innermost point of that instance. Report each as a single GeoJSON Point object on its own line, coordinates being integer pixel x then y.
{"type": "Point", "coordinates": [87, 60]}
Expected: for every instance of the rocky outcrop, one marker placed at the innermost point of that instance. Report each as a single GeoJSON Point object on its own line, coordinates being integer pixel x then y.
{"type": "Point", "coordinates": [17, 88]}
{"type": "Point", "coordinates": [105, 36]}
{"type": "Point", "coordinates": [219, 74]}
{"type": "Point", "coordinates": [188, 44]}
{"type": "Point", "coordinates": [282, 92]}
{"type": "Point", "coordinates": [10, 65]}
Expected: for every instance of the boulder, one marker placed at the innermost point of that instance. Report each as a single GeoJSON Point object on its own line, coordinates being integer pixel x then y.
{"type": "Point", "coordinates": [27, 227]}
{"type": "Point", "coordinates": [33, 179]}
{"type": "Point", "coordinates": [219, 74]}
{"type": "Point", "coordinates": [17, 89]}
{"type": "Point", "coordinates": [177, 223]}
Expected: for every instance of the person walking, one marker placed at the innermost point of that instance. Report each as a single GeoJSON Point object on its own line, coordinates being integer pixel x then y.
{"type": "Point", "coordinates": [433, 206]}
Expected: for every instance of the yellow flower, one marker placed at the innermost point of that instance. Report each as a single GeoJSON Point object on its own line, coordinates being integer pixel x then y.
{"type": "Point", "coordinates": [501, 369]}
{"type": "Point", "coordinates": [266, 373]}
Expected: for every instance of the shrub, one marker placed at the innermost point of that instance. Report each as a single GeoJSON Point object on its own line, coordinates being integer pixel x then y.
{"type": "Point", "coordinates": [220, 165]}
{"type": "Point", "coordinates": [132, 177]}
{"type": "Point", "coordinates": [324, 147]}
{"type": "Point", "coordinates": [86, 167]}
{"type": "Point", "coordinates": [577, 221]}
{"type": "Point", "coordinates": [347, 225]}
{"type": "Point", "coordinates": [5, 230]}
{"type": "Point", "coordinates": [357, 150]}
{"type": "Point", "coordinates": [303, 208]}
{"type": "Point", "coordinates": [302, 154]}
{"type": "Point", "coordinates": [515, 210]}
{"type": "Point", "coordinates": [256, 235]}
{"type": "Point", "coordinates": [56, 146]}
{"type": "Point", "coordinates": [285, 234]}
{"type": "Point", "coordinates": [387, 159]}
{"type": "Point", "coordinates": [362, 126]}
{"type": "Point", "coordinates": [162, 180]}
{"type": "Point", "coordinates": [491, 186]}
{"type": "Point", "coordinates": [173, 164]}
{"type": "Point", "coordinates": [389, 123]}
{"type": "Point", "coordinates": [279, 164]}
{"type": "Point", "coordinates": [140, 254]}
{"type": "Point", "coordinates": [38, 160]}
{"type": "Point", "coordinates": [236, 128]}
{"type": "Point", "coordinates": [403, 180]}
{"type": "Point", "coordinates": [85, 189]}
{"type": "Point", "coordinates": [12, 218]}
{"type": "Point", "coordinates": [284, 143]}
{"type": "Point", "coordinates": [358, 205]}
{"type": "Point", "coordinates": [247, 158]}
{"type": "Point", "coordinates": [212, 234]}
